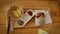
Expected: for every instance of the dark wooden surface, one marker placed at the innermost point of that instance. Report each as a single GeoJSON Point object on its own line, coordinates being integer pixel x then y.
{"type": "Point", "coordinates": [54, 11]}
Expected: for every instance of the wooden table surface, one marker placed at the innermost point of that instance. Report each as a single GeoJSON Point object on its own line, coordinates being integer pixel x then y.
{"type": "Point", "coordinates": [54, 11]}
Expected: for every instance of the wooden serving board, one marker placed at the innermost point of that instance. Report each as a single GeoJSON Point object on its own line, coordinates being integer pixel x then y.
{"type": "Point", "coordinates": [31, 23]}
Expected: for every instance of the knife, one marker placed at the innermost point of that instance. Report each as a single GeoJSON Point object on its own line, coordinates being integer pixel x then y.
{"type": "Point", "coordinates": [8, 28]}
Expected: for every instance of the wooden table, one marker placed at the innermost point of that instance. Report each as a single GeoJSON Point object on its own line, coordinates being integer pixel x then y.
{"type": "Point", "coordinates": [54, 11]}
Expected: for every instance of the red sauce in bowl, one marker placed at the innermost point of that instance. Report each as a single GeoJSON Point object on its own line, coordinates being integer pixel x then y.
{"type": "Point", "coordinates": [30, 13]}
{"type": "Point", "coordinates": [40, 15]}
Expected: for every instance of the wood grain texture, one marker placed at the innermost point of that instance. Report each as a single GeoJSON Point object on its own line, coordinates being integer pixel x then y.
{"type": "Point", "coordinates": [54, 11]}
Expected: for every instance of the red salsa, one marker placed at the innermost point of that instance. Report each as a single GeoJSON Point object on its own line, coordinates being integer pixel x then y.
{"type": "Point", "coordinates": [40, 14]}
{"type": "Point", "coordinates": [30, 13]}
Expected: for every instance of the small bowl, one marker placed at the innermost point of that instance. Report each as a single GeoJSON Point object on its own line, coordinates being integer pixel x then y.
{"type": "Point", "coordinates": [16, 11]}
